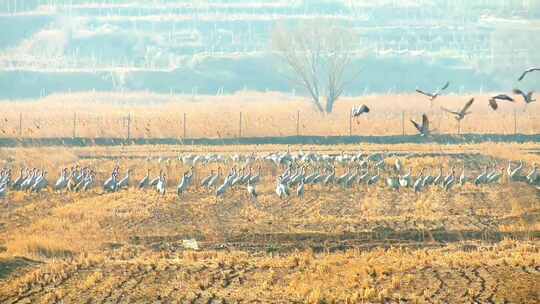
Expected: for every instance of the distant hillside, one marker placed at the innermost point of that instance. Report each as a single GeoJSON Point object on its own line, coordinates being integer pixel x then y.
{"type": "Point", "coordinates": [185, 46]}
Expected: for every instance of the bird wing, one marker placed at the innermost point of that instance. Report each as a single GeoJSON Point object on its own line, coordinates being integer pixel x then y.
{"type": "Point", "coordinates": [493, 104]}
{"type": "Point", "coordinates": [449, 111]}
{"type": "Point", "coordinates": [445, 86]}
{"type": "Point", "coordinates": [520, 92]}
{"type": "Point", "coordinates": [425, 123]}
{"type": "Point", "coordinates": [467, 106]}
{"type": "Point", "coordinates": [416, 126]}
{"type": "Point", "coordinates": [364, 109]}
{"type": "Point", "coordinates": [527, 72]}
{"type": "Point", "coordinates": [505, 97]}
{"type": "Point", "coordinates": [424, 93]}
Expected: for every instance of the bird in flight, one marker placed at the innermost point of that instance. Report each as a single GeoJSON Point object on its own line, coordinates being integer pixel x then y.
{"type": "Point", "coordinates": [527, 71]}
{"type": "Point", "coordinates": [501, 97]}
{"type": "Point", "coordinates": [461, 114]}
{"type": "Point", "coordinates": [432, 96]}
{"type": "Point", "coordinates": [526, 97]}
{"type": "Point", "coordinates": [356, 112]}
{"type": "Point", "coordinates": [424, 128]}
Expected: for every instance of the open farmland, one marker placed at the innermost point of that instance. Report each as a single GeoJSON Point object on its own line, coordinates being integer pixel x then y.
{"type": "Point", "coordinates": [365, 243]}
{"type": "Point", "coordinates": [261, 151]}
{"type": "Point", "coordinates": [139, 115]}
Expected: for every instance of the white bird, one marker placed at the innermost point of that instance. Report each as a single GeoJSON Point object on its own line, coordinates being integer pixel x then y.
{"type": "Point", "coordinates": [161, 186]}
{"type": "Point", "coordinates": [281, 188]}
{"type": "Point", "coordinates": [514, 173]}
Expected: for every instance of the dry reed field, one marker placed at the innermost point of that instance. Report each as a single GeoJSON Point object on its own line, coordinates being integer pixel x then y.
{"type": "Point", "coordinates": [336, 245]}
{"type": "Point", "coordinates": [145, 115]}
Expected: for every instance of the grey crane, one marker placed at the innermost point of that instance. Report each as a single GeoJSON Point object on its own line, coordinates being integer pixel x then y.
{"type": "Point", "coordinates": [463, 179]}
{"type": "Point", "coordinates": [434, 95]}
{"type": "Point", "coordinates": [145, 182]}
{"type": "Point", "coordinates": [497, 98]}
{"type": "Point", "coordinates": [110, 185]}
{"type": "Point", "coordinates": [357, 112]}
{"type": "Point", "coordinates": [459, 115]}
{"type": "Point", "coordinates": [300, 189]}
{"type": "Point", "coordinates": [41, 182]}
{"type": "Point", "coordinates": [155, 181]}
{"type": "Point", "coordinates": [251, 191]}
{"type": "Point", "coordinates": [527, 97]}
{"type": "Point", "coordinates": [22, 176]}
{"type": "Point", "coordinates": [495, 177]}
{"type": "Point", "coordinates": [214, 179]}
{"type": "Point", "coordinates": [62, 181]}
{"type": "Point", "coordinates": [532, 177]}
{"type": "Point", "coordinates": [206, 180]}
{"type": "Point", "coordinates": [449, 182]}
{"type": "Point", "coordinates": [482, 178]}
{"type": "Point", "coordinates": [423, 129]}
{"type": "Point", "coordinates": [375, 178]}
{"type": "Point", "coordinates": [419, 183]}
{"type": "Point", "coordinates": [124, 182]}
{"type": "Point", "coordinates": [184, 183]}
{"type": "Point", "coordinates": [3, 190]}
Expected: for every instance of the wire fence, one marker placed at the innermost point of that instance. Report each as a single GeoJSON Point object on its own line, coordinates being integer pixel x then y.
{"type": "Point", "coordinates": [241, 124]}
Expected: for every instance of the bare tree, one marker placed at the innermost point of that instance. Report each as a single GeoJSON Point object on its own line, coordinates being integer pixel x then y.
{"type": "Point", "coordinates": [317, 54]}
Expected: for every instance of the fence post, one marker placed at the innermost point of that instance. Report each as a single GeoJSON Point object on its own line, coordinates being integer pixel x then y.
{"type": "Point", "coordinates": [459, 127]}
{"type": "Point", "coordinates": [128, 125]}
{"type": "Point", "coordinates": [403, 123]}
{"type": "Point", "coordinates": [20, 124]}
{"type": "Point", "coordinates": [74, 124]}
{"type": "Point", "coordinates": [298, 123]}
{"type": "Point", "coordinates": [240, 126]}
{"type": "Point", "coordinates": [184, 125]}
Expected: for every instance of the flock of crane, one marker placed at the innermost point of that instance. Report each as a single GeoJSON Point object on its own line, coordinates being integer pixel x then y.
{"type": "Point", "coordinates": [423, 128]}
{"type": "Point", "coordinates": [298, 172]}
